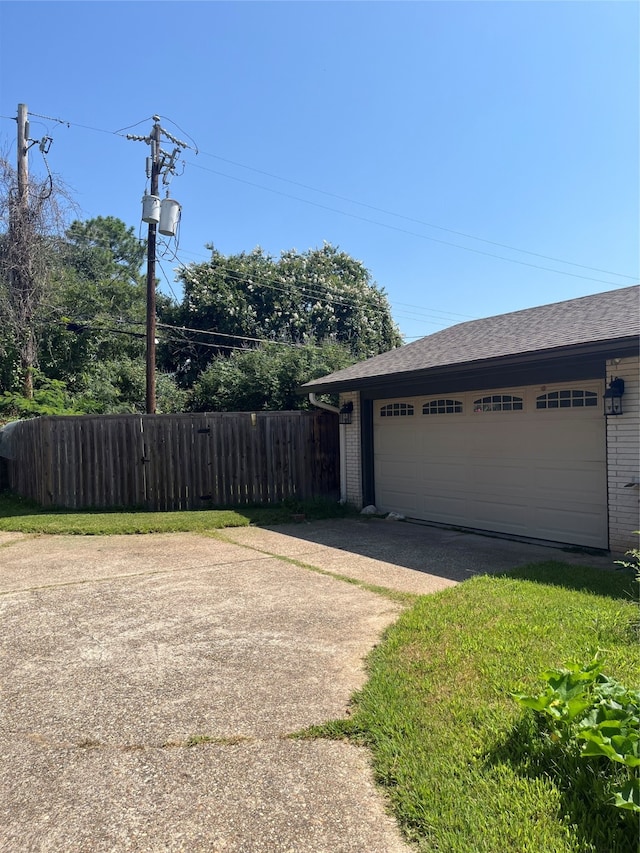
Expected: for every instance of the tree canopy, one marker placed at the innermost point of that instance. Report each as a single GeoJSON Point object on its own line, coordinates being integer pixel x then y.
{"type": "Point", "coordinates": [97, 308]}
{"type": "Point", "coordinates": [247, 332]}
{"type": "Point", "coordinates": [321, 295]}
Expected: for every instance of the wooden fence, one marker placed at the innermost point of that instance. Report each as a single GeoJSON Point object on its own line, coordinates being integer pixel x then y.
{"type": "Point", "coordinates": [166, 462]}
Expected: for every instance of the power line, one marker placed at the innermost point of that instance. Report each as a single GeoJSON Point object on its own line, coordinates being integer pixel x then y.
{"type": "Point", "coordinates": [80, 324]}
{"type": "Point", "coordinates": [129, 126]}
{"type": "Point", "coordinates": [226, 335]}
{"type": "Point", "coordinates": [84, 326]}
{"type": "Point", "coordinates": [141, 335]}
{"type": "Point", "coordinates": [166, 277]}
{"type": "Point", "coordinates": [381, 210]}
{"type": "Point", "coordinates": [312, 291]}
{"type": "Point", "coordinates": [436, 310]}
{"type": "Point", "coordinates": [195, 148]}
{"type": "Point", "coordinates": [412, 233]}
{"type": "Point", "coordinates": [410, 218]}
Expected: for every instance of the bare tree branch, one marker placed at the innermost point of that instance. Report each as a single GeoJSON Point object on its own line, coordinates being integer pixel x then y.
{"type": "Point", "coordinates": [30, 236]}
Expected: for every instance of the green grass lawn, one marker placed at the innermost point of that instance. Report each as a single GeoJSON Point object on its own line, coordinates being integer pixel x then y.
{"type": "Point", "coordinates": [464, 767]}
{"type": "Point", "coordinates": [23, 516]}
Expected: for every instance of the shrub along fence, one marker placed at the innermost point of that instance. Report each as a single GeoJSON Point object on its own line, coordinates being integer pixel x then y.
{"type": "Point", "coordinates": [169, 462]}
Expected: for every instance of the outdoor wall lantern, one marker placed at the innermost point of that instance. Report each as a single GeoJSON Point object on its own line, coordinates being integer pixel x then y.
{"type": "Point", "coordinates": [346, 413]}
{"type": "Point", "coordinates": [613, 397]}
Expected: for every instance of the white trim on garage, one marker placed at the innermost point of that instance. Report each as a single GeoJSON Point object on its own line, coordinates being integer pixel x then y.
{"type": "Point", "coordinates": [527, 461]}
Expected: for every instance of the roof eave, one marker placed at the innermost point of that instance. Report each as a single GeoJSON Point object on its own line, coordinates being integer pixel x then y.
{"type": "Point", "coordinates": [610, 348]}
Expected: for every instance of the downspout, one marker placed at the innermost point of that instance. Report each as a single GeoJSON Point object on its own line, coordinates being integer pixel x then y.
{"type": "Point", "coordinates": [343, 444]}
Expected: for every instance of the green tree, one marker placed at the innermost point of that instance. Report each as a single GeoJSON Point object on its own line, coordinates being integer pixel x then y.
{"type": "Point", "coordinates": [104, 247]}
{"type": "Point", "coordinates": [92, 346]}
{"type": "Point", "coordinates": [315, 296]}
{"type": "Point", "coordinates": [97, 307]}
{"type": "Point", "coordinates": [266, 377]}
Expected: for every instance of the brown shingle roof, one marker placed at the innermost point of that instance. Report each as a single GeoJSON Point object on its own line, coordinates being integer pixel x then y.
{"type": "Point", "coordinates": [612, 315]}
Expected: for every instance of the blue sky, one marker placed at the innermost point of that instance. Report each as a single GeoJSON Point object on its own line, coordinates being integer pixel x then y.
{"type": "Point", "coordinates": [381, 127]}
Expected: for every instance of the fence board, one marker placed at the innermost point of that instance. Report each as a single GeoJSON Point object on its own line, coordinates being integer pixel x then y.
{"type": "Point", "coordinates": [166, 462]}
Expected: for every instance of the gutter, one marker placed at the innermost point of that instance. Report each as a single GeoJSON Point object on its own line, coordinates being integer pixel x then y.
{"type": "Point", "coordinates": [343, 444]}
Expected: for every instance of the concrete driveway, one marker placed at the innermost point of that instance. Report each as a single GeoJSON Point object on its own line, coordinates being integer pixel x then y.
{"type": "Point", "coordinates": [149, 683]}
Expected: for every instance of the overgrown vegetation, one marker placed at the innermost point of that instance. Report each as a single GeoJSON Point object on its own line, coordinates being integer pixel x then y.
{"type": "Point", "coordinates": [588, 715]}
{"type": "Point", "coordinates": [248, 330]}
{"type": "Point", "coordinates": [465, 767]}
{"type": "Point", "coordinates": [24, 516]}
{"type": "Point", "coordinates": [633, 559]}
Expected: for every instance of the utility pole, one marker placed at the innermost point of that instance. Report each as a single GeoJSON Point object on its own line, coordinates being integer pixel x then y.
{"type": "Point", "coordinates": [159, 163]}
{"type": "Point", "coordinates": [151, 275]}
{"type": "Point", "coordinates": [26, 259]}
{"type": "Point", "coordinates": [23, 162]}
{"type": "Point", "coordinates": [21, 248]}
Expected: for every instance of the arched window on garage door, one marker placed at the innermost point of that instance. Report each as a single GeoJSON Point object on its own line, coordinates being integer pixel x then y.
{"type": "Point", "coordinates": [570, 398]}
{"type": "Point", "coordinates": [497, 403]}
{"type": "Point", "coordinates": [442, 407]}
{"type": "Point", "coordinates": [396, 410]}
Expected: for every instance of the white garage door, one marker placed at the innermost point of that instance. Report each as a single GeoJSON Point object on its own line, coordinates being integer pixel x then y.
{"type": "Point", "coordinates": [529, 461]}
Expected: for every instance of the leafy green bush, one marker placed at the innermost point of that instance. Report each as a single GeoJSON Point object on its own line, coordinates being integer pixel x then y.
{"type": "Point", "coordinates": [267, 378]}
{"type": "Point", "coordinates": [50, 397]}
{"type": "Point", "coordinates": [634, 559]}
{"type": "Point", "coordinates": [582, 706]}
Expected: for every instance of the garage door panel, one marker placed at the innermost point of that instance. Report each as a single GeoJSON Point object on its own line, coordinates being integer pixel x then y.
{"type": "Point", "coordinates": [391, 441]}
{"type": "Point", "coordinates": [569, 484]}
{"type": "Point", "coordinates": [392, 469]}
{"type": "Point", "coordinates": [399, 498]}
{"type": "Point", "coordinates": [449, 509]}
{"type": "Point", "coordinates": [490, 478]}
{"type": "Point", "coordinates": [567, 440]}
{"type": "Point", "coordinates": [446, 472]}
{"type": "Point", "coordinates": [536, 472]}
{"type": "Point", "coordinates": [446, 443]}
{"type": "Point", "coordinates": [493, 443]}
{"type": "Point", "coordinates": [508, 516]}
{"type": "Point", "coordinates": [587, 526]}
{"type": "Point", "coordinates": [396, 500]}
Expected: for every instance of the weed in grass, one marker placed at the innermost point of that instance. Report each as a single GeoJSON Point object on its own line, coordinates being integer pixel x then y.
{"type": "Point", "coordinates": [583, 787]}
{"type": "Point", "coordinates": [89, 744]}
{"type": "Point", "coordinates": [199, 740]}
{"type": "Point", "coordinates": [231, 740]}
{"type": "Point", "coordinates": [346, 729]}
{"type": "Point", "coordinates": [633, 560]}
{"type": "Point", "coordinates": [619, 627]}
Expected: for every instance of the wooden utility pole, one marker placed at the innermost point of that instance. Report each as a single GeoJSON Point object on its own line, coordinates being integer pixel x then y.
{"type": "Point", "coordinates": [159, 163]}
{"type": "Point", "coordinates": [23, 161]}
{"type": "Point", "coordinates": [21, 273]}
{"type": "Point", "coordinates": [151, 275]}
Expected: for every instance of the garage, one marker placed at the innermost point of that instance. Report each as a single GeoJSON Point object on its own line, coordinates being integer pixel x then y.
{"type": "Point", "coordinates": [525, 424]}
{"type": "Point", "coordinates": [521, 461]}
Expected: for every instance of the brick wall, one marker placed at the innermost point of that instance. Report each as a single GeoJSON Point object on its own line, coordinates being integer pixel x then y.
{"type": "Point", "coordinates": [353, 459]}
{"type": "Point", "coordinates": [623, 458]}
